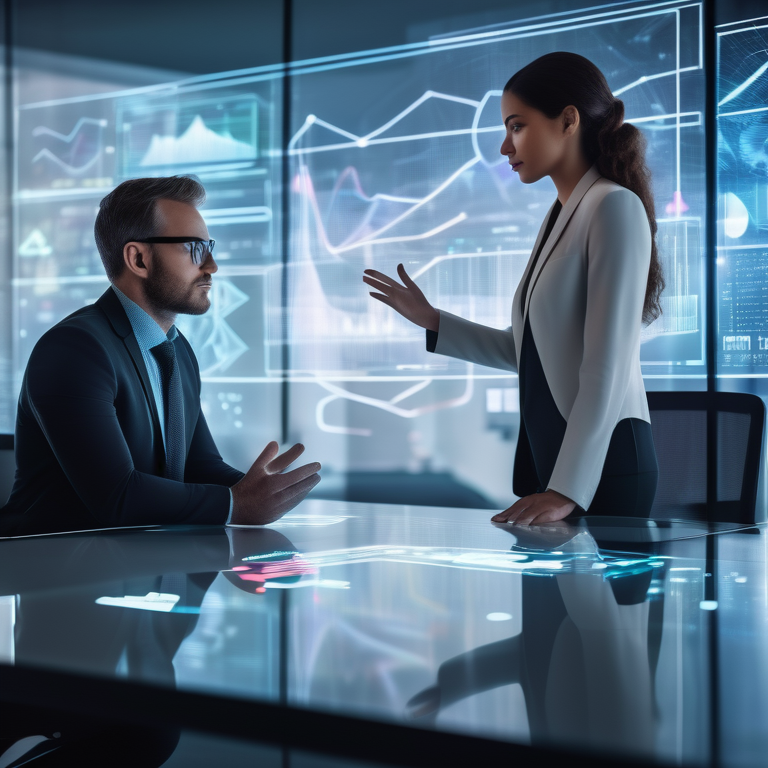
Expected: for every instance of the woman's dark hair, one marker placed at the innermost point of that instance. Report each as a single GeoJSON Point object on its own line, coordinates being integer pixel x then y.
{"type": "Point", "coordinates": [128, 213]}
{"type": "Point", "coordinates": [558, 80]}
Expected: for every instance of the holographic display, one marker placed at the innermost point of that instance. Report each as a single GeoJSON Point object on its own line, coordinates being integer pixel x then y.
{"type": "Point", "coordinates": [402, 164]}
{"type": "Point", "coordinates": [392, 156]}
{"type": "Point", "coordinates": [742, 246]}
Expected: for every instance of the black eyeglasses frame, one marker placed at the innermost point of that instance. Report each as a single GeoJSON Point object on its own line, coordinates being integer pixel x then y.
{"type": "Point", "coordinates": [198, 255]}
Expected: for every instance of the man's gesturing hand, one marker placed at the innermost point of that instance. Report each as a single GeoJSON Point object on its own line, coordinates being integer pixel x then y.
{"type": "Point", "coordinates": [407, 299]}
{"type": "Point", "coordinates": [266, 493]}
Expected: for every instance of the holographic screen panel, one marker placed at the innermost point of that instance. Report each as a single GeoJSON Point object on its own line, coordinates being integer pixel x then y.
{"type": "Point", "coordinates": [742, 224]}
{"type": "Point", "coordinates": [72, 152]}
{"type": "Point", "coordinates": [394, 157]}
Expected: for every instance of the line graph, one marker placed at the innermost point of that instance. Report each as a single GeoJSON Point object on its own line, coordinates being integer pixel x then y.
{"type": "Point", "coordinates": [366, 140]}
{"type": "Point", "coordinates": [42, 130]}
{"type": "Point", "coordinates": [400, 207]}
{"type": "Point", "coordinates": [306, 189]}
{"type": "Point", "coordinates": [75, 153]}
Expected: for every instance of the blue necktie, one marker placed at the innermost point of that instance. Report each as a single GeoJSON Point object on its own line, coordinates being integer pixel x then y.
{"type": "Point", "coordinates": [165, 354]}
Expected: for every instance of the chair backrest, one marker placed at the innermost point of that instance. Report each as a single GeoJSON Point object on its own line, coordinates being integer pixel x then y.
{"type": "Point", "coordinates": [7, 467]}
{"type": "Point", "coordinates": [709, 446]}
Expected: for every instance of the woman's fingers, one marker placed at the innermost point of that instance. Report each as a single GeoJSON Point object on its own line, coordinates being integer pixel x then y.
{"type": "Point", "coordinates": [372, 274]}
{"type": "Point", "coordinates": [383, 299]}
{"type": "Point", "coordinates": [511, 514]}
{"type": "Point", "coordinates": [406, 278]}
{"type": "Point", "coordinates": [385, 288]}
{"type": "Point", "coordinates": [407, 300]}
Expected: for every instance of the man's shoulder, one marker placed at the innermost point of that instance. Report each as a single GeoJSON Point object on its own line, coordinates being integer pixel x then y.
{"type": "Point", "coordinates": [89, 322]}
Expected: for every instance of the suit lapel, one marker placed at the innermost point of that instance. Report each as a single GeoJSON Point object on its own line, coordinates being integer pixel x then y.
{"type": "Point", "coordinates": [529, 265]}
{"type": "Point", "coordinates": [585, 183]}
{"type": "Point", "coordinates": [113, 309]}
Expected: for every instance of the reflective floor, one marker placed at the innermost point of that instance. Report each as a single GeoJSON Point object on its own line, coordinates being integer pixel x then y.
{"type": "Point", "coordinates": [619, 637]}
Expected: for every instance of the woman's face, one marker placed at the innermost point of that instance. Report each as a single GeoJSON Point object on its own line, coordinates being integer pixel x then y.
{"type": "Point", "coordinates": [535, 145]}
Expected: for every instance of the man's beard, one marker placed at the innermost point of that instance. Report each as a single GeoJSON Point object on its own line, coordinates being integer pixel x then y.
{"type": "Point", "coordinates": [169, 297]}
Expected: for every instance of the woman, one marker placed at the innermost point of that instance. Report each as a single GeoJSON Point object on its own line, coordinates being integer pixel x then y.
{"type": "Point", "coordinates": [593, 279]}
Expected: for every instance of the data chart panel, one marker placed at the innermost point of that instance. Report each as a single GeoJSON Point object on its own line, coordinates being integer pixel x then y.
{"type": "Point", "coordinates": [742, 256]}
{"type": "Point", "coordinates": [402, 164]}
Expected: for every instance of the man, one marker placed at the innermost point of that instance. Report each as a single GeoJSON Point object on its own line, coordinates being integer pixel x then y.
{"type": "Point", "coordinates": [109, 430]}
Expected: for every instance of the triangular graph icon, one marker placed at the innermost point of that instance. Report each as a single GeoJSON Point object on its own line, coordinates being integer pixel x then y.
{"type": "Point", "coordinates": [35, 245]}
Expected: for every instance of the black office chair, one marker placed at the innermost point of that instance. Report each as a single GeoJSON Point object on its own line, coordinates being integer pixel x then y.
{"type": "Point", "coordinates": [7, 467]}
{"type": "Point", "coordinates": [709, 446]}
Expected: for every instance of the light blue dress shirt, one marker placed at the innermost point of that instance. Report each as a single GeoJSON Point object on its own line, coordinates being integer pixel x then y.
{"type": "Point", "coordinates": [149, 334]}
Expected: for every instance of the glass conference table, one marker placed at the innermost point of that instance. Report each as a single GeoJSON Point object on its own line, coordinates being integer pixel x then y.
{"type": "Point", "coordinates": [358, 634]}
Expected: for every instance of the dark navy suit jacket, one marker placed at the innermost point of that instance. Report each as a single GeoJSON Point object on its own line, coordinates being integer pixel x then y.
{"type": "Point", "coordinates": [89, 449]}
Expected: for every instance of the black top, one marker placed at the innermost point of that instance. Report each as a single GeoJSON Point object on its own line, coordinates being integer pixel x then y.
{"type": "Point", "coordinates": [542, 427]}
{"type": "Point", "coordinates": [547, 232]}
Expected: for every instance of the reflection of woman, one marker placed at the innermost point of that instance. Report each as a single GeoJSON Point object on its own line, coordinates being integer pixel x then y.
{"type": "Point", "coordinates": [585, 661]}
{"type": "Point", "coordinates": [592, 280]}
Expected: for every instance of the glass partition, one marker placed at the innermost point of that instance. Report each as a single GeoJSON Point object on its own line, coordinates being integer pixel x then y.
{"type": "Point", "coordinates": [391, 154]}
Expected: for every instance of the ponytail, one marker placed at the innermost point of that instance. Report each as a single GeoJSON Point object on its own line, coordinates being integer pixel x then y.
{"type": "Point", "coordinates": [620, 158]}
{"type": "Point", "coordinates": [557, 80]}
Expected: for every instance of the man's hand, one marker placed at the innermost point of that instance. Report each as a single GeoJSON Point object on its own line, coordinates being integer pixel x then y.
{"type": "Point", "coordinates": [265, 493]}
{"type": "Point", "coordinates": [407, 299]}
{"type": "Point", "coordinates": [536, 509]}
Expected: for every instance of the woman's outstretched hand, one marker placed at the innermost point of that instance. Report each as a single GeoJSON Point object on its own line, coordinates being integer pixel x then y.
{"type": "Point", "coordinates": [547, 507]}
{"type": "Point", "coordinates": [407, 299]}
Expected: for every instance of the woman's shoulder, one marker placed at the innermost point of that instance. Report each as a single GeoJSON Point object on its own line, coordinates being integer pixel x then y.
{"type": "Point", "coordinates": [603, 187]}
{"type": "Point", "coordinates": [609, 199]}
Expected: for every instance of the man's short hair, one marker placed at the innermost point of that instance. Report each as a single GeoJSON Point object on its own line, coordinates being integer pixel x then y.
{"type": "Point", "coordinates": [129, 212]}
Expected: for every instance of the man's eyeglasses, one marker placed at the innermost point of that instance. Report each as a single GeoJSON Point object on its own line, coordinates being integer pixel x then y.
{"type": "Point", "coordinates": [199, 249]}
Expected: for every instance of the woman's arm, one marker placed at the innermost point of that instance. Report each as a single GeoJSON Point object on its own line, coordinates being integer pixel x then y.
{"type": "Point", "coordinates": [476, 343]}
{"type": "Point", "coordinates": [457, 337]}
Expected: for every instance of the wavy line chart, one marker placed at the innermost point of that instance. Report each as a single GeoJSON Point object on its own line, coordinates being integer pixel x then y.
{"type": "Point", "coordinates": [76, 153]}
{"type": "Point", "coordinates": [68, 138]}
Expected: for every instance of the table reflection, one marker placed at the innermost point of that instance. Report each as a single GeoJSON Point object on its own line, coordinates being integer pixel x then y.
{"type": "Point", "coordinates": [127, 620]}
{"type": "Point", "coordinates": [587, 654]}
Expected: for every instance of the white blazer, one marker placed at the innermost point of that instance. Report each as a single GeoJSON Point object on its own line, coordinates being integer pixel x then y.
{"type": "Point", "coordinates": [585, 304]}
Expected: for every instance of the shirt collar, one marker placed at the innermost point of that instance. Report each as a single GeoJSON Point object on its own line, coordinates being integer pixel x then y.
{"type": "Point", "coordinates": [146, 330]}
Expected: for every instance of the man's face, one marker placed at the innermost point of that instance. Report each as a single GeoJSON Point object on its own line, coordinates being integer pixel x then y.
{"type": "Point", "coordinates": [175, 284]}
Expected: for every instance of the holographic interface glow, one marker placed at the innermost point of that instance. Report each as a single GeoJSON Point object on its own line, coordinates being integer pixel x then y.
{"type": "Point", "coordinates": [742, 245]}
{"type": "Point", "coordinates": [393, 157]}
